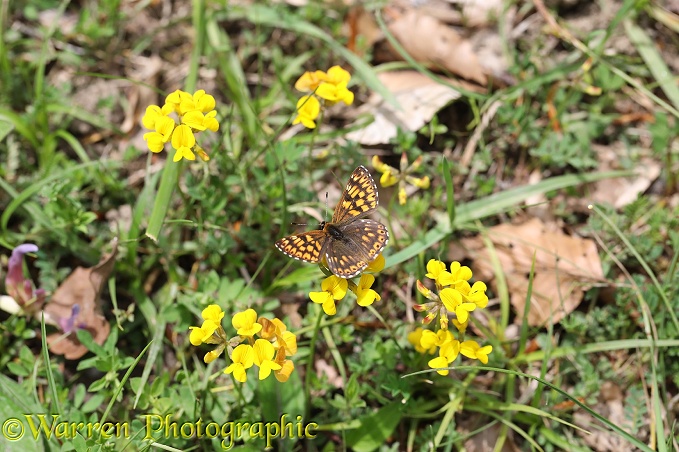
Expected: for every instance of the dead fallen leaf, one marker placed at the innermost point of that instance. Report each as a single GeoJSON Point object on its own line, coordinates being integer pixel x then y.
{"type": "Point", "coordinates": [621, 191]}
{"type": "Point", "coordinates": [419, 98]}
{"type": "Point", "coordinates": [324, 369]}
{"type": "Point", "coordinates": [360, 27]}
{"type": "Point", "coordinates": [75, 305]}
{"type": "Point", "coordinates": [564, 267]}
{"type": "Point", "coordinates": [482, 13]}
{"type": "Point", "coordinates": [443, 47]}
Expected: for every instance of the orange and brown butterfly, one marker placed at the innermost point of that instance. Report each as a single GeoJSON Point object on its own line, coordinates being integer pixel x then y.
{"type": "Point", "coordinates": [349, 242]}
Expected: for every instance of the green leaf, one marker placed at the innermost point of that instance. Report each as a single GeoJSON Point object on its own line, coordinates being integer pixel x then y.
{"type": "Point", "coordinates": [375, 428]}
{"type": "Point", "coordinates": [168, 182]}
{"type": "Point", "coordinates": [5, 128]}
{"type": "Point", "coordinates": [655, 62]}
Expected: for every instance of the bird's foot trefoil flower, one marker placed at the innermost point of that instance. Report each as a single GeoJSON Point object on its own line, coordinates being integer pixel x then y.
{"type": "Point", "coordinates": [194, 113]}
{"type": "Point", "coordinates": [269, 352]}
{"type": "Point", "coordinates": [392, 176]}
{"type": "Point", "coordinates": [334, 288]}
{"type": "Point", "coordinates": [325, 89]}
{"type": "Point", "coordinates": [453, 295]}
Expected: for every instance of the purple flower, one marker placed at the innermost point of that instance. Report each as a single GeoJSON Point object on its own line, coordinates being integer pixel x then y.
{"type": "Point", "coordinates": [17, 286]}
{"type": "Point", "coordinates": [68, 325]}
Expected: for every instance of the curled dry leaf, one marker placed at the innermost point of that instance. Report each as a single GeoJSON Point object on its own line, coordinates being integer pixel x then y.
{"type": "Point", "coordinates": [621, 191]}
{"type": "Point", "coordinates": [565, 267]}
{"type": "Point", "coordinates": [75, 305]}
{"type": "Point", "coordinates": [433, 43]}
{"type": "Point", "coordinates": [419, 97]}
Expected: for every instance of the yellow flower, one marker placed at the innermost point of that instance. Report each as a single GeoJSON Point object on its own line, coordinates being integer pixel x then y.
{"type": "Point", "coordinates": [308, 109]}
{"type": "Point", "coordinates": [214, 313]}
{"type": "Point", "coordinates": [391, 175]}
{"type": "Point", "coordinates": [438, 363]}
{"type": "Point", "coordinates": [435, 339]}
{"type": "Point", "coordinates": [415, 338]}
{"type": "Point", "coordinates": [287, 366]}
{"type": "Point", "coordinates": [183, 140]}
{"type": "Point", "coordinates": [275, 329]}
{"type": "Point", "coordinates": [196, 113]}
{"type": "Point", "coordinates": [264, 353]}
{"type": "Point", "coordinates": [243, 358]}
{"type": "Point", "coordinates": [436, 270]}
{"type": "Point", "coordinates": [458, 273]}
{"type": "Point", "coordinates": [387, 179]}
{"type": "Point", "coordinates": [453, 295]}
{"type": "Point", "coordinates": [197, 120]}
{"type": "Point", "coordinates": [364, 294]}
{"type": "Point", "coordinates": [309, 81]}
{"type": "Point", "coordinates": [377, 265]}
{"type": "Point", "coordinates": [452, 300]}
{"type": "Point", "coordinates": [213, 354]}
{"type": "Point", "coordinates": [334, 288]}
{"type": "Point", "coordinates": [450, 349]}
{"type": "Point", "coordinates": [335, 93]}
{"type": "Point", "coordinates": [203, 102]}
{"type": "Point", "coordinates": [268, 330]}
{"type": "Point", "coordinates": [472, 350]}
{"type": "Point", "coordinates": [337, 76]}
{"type": "Point", "coordinates": [211, 332]}
{"type": "Point", "coordinates": [183, 102]}
{"type": "Point", "coordinates": [202, 333]}
{"type": "Point", "coordinates": [477, 294]}
{"type": "Point", "coordinates": [245, 323]}
{"type": "Point", "coordinates": [154, 114]}
{"type": "Point", "coordinates": [154, 141]}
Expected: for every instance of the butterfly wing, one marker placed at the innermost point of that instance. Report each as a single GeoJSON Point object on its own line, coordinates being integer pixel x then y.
{"type": "Point", "coordinates": [360, 242]}
{"type": "Point", "coordinates": [359, 198]}
{"type": "Point", "coordinates": [307, 246]}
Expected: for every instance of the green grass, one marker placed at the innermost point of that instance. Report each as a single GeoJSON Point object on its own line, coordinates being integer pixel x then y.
{"type": "Point", "coordinates": [198, 233]}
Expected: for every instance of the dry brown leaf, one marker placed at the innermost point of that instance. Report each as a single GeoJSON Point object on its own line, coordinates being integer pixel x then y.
{"type": "Point", "coordinates": [361, 23]}
{"type": "Point", "coordinates": [81, 288]}
{"type": "Point", "coordinates": [481, 13]}
{"type": "Point", "coordinates": [621, 191]}
{"type": "Point", "coordinates": [433, 43]}
{"type": "Point", "coordinates": [565, 266]}
{"type": "Point", "coordinates": [419, 97]}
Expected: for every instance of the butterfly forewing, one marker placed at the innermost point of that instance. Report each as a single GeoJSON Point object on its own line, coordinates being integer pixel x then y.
{"type": "Point", "coordinates": [359, 197]}
{"type": "Point", "coordinates": [307, 246]}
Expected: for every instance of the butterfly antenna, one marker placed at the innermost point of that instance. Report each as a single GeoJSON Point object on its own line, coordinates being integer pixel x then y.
{"type": "Point", "coordinates": [326, 204]}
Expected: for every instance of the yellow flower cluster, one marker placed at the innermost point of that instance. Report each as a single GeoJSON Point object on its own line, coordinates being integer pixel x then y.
{"type": "Point", "coordinates": [329, 86]}
{"type": "Point", "coordinates": [334, 288]}
{"type": "Point", "coordinates": [269, 352]}
{"type": "Point", "coordinates": [454, 295]}
{"type": "Point", "coordinates": [391, 175]}
{"type": "Point", "coordinates": [196, 113]}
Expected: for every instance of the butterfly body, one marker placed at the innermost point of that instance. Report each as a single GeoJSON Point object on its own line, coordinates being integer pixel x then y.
{"type": "Point", "coordinates": [349, 242]}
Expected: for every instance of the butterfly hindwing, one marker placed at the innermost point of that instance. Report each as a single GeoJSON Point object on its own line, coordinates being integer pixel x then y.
{"type": "Point", "coordinates": [362, 240]}
{"type": "Point", "coordinates": [359, 198]}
